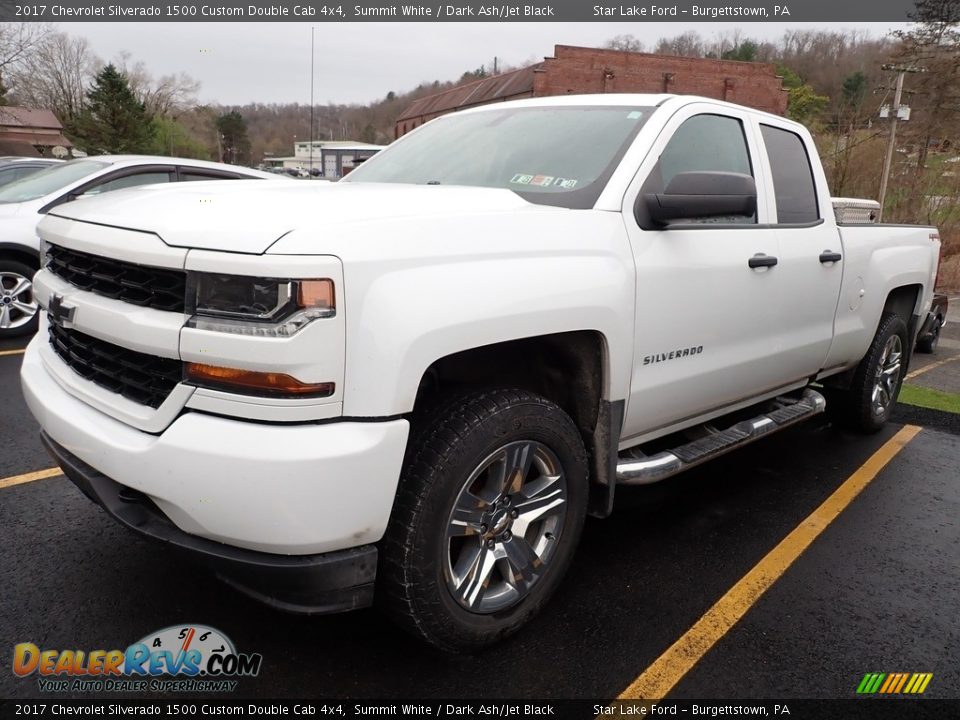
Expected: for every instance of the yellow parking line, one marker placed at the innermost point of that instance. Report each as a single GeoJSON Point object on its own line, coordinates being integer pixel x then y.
{"type": "Point", "coordinates": [931, 366]}
{"type": "Point", "coordinates": [21, 351]}
{"type": "Point", "coordinates": [658, 680]}
{"type": "Point", "coordinates": [30, 477]}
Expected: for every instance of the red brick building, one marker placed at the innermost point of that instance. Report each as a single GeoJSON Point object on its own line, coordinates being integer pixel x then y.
{"type": "Point", "coordinates": [595, 70]}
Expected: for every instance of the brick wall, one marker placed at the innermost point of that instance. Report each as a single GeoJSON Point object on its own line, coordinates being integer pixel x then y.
{"type": "Point", "coordinates": [594, 70]}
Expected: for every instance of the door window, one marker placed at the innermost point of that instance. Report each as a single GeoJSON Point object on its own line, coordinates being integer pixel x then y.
{"type": "Point", "coordinates": [793, 182]}
{"type": "Point", "coordinates": [189, 175]}
{"type": "Point", "coordinates": [147, 178]}
{"type": "Point", "coordinates": [705, 143]}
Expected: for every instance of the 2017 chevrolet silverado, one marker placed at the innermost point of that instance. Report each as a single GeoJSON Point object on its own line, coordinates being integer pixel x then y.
{"type": "Point", "coordinates": [424, 377]}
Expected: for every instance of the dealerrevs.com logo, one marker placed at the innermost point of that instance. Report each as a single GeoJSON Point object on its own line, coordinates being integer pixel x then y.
{"type": "Point", "coordinates": [179, 658]}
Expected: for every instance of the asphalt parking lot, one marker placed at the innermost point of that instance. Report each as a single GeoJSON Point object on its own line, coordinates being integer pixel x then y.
{"type": "Point", "coordinates": [876, 587]}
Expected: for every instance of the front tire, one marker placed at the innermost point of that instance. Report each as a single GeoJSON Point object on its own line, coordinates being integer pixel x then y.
{"type": "Point", "coordinates": [488, 513]}
{"type": "Point", "coordinates": [868, 403]}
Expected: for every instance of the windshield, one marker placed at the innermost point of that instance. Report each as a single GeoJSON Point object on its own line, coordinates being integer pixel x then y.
{"type": "Point", "coordinates": [49, 180]}
{"type": "Point", "coordinates": [558, 155]}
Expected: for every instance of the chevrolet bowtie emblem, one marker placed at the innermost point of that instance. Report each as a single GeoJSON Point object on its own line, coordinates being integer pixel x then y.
{"type": "Point", "coordinates": [61, 312]}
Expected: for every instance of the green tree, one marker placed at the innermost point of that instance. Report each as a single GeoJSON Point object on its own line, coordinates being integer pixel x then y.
{"type": "Point", "coordinates": [234, 141]}
{"type": "Point", "coordinates": [803, 103]}
{"type": "Point", "coordinates": [114, 121]}
{"type": "Point", "coordinates": [854, 90]}
{"type": "Point", "coordinates": [745, 51]}
{"type": "Point", "coordinates": [170, 137]}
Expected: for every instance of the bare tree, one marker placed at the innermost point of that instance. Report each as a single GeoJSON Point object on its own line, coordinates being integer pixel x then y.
{"type": "Point", "coordinates": [932, 43]}
{"type": "Point", "coordinates": [18, 40]}
{"type": "Point", "coordinates": [168, 96]}
{"type": "Point", "coordinates": [628, 43]}
{"type": "Point", "coordinates": [55, 75]}
{"type": "Point", "coordinates": [688, 44]}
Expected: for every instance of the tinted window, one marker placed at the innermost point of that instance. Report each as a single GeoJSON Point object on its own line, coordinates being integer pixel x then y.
{"type": "Point", "coordinates": [706, 142]}
{"type": "Point", "coordinates": [703, 143]}
{"type": "Point", "coordinates": [148, 178]}
{"type": "Point", "coordinates": [792, 176]}
{"type": "Point", "coordinates": [8, 175]}
{"type": "Point", "coordinates": [191, 174]}
{"type": "Point", "coordinates": [49, 180]}
{"type": "Point", "coordinates": [557, 155]}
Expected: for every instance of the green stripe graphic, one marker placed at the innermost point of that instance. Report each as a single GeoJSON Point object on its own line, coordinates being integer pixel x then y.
{"type": "Point", "coordinates": [862, 687]}
{"type": "Point", "coordinates": [876, 684]}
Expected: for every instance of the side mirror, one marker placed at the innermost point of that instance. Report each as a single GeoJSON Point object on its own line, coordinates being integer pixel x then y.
{"type": "Point", "coordinates": [692, 195]}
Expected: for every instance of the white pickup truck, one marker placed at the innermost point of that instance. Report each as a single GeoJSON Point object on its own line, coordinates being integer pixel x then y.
{"type": "Point", "coordinates": [425, 376]}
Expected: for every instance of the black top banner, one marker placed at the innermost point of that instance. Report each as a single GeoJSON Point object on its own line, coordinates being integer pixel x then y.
{"type": "Point", "coordinates": [491, 709]}
{"type": "Point", "coordinates": [849, 11]}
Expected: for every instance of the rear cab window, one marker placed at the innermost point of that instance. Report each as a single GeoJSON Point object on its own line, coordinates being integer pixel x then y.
{"type": "Point", "coordinates": [793, 183]}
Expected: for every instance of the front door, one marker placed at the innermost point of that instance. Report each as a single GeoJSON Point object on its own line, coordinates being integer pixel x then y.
{"type": "Point", "coordinates": [706, 310]}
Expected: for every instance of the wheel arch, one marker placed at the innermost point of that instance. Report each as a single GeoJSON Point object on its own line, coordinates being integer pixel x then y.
{"type": "Point", "coordinates": [570, 369]}
{"type": "Point", "coordinates": [19, 253]}
{"type": "Point", "coordinates": [903, 301]}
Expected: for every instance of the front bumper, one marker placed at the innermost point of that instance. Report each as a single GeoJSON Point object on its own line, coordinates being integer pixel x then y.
{"type": "Point", "coordinates": [324, 583]}
{"type": "Point", "coordinates": [291, 489]}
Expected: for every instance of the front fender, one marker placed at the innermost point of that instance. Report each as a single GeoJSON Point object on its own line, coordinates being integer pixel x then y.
{"type": "Point", "coordinates": [442, 287]}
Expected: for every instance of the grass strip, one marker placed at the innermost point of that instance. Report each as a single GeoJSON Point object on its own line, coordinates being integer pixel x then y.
{"type": "Point", "coordinates": [929, 398]}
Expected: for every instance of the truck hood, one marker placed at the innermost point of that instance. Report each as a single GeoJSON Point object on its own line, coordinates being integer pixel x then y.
{"type": "Point", "coordinates": [249, 217]}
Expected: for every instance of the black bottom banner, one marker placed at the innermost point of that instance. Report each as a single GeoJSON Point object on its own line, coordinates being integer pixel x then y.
{"type": "Point", "coordinates": [872, 708]}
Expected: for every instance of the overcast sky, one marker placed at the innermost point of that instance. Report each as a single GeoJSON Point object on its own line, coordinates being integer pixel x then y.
{"type": "Point", "coordinates": [237, 63]}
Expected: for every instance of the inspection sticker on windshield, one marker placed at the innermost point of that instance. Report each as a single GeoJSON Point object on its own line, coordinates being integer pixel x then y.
{"type": "Point", "coordinates": [543, 181]}
{"type": "Point", "coordinates": [634, 115]}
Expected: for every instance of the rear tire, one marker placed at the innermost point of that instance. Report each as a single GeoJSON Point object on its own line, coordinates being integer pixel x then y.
{"type": "Point", "coordinates": [867, 404]}
{"type": "Point", "coordinates": [488, 513]}
{"type": "Point", "coordinates": [19, 312]}
{"type": "Point", "coordinates": [929, 345]}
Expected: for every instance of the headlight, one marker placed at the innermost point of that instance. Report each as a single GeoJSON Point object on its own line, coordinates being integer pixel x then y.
{"type": "Point", "coordinates": [257, 306]}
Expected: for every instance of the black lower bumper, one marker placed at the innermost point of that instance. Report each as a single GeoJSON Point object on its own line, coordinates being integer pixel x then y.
{"type": "Point", "coordinates": [309, 584]}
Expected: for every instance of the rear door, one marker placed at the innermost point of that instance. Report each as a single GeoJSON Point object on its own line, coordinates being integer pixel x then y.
{"type": "Point", "coordinates": [811, 258]}
{"type": "Point", "coordinates": [706, 330]}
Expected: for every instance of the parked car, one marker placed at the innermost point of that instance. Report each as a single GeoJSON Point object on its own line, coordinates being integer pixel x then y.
{"type": "Point", "coordinates": [15, 168]}
{"type": "Point", "coordinates": [929, 336]}
{"type": "Point", "coordinates": [426, 375]}
{"type": "Point", "coordinates": [24, 202]}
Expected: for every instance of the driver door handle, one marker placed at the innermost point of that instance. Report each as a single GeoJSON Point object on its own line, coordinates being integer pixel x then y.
{"type": "Point", "coordinates": [828, 256]}
{"type": "Point", "coordinates": [760, 260]}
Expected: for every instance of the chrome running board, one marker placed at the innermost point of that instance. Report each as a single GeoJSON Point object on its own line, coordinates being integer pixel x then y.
{"type": "Point", "coordinates": [646, 470]}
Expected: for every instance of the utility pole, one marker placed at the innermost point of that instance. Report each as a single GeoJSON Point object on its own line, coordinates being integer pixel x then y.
{"type": "Point", "coordinates": [891, 145]}
{"type": "Point", "coordinates": [311, 100]}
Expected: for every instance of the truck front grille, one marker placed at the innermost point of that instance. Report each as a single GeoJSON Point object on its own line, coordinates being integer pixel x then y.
{"type": "Point", "coordinates": [143, 378]}
{"type": "Point", "coordinates": [158, 288]}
